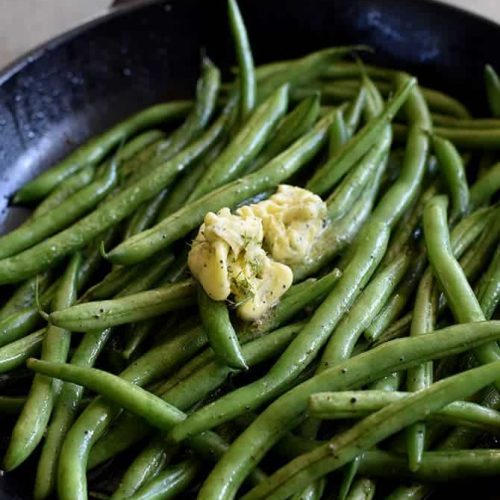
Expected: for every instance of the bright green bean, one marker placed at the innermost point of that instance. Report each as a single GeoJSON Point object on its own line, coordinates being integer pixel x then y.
{"type": "Point", "coordinates": [187, 218]}
{"type": "Point", "coordinates": [353, 113]}
{"type": "Point", "coordinates": [31, 424]}
{"type": "Point", "coordinates": [459, 295]}
{"type": "Point", "coordinates": [488, 292]}
{"type": "Point", "coordinates": [16, 353]}
{"type": "Point", "coordinates": [485, 187]}
{"type": "Point", "coordinates": [362, 489]}
{"type": "Point", "coordinates": [327, 175]}
{"type": "Point", "coordinates": [350, 188]}
{"type": "Point", "coordinates": [246, 72]}
{"type": "Point", "coordinates": [358, 404]}
{"type": "Point", "coordinates": [437, 466]}
{"type": "Point", "coordinates": [172, 481]}
{"type": "Point", "coordinates": [94, 150]}
{"type": "Point", "coordinates": [337, 134]}
{"type": "Point", "coordinates": [136, 307]}
{"type": "Point", "coordinates": [452, 168]}
{"type": "Point", "coordinates": [221, 335]}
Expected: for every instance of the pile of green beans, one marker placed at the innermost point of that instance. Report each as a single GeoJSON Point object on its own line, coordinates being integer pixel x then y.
{"type": "Point", "coordinates": [381, 362]}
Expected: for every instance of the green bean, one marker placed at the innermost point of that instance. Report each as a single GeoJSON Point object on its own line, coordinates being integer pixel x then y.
{"type": "Point", "coordinates": [358, 404]}
{"type": "Point", "coordinates": [492, 84]}
{"type": "Point", "coordinates": [136, 307]}
{"type": "Point", "coordinates": [348, 191]}
{"type": "Point", "coordinates": [302, 70]}
{"type": "Point", "coordinates": [459, 295]}
{"type": "Point", "coordinates": [24, 296]}
{"type": "Point", "coordinates": [370, 247]}
{"type": "Point", "coordinates": [421, 377]}
{"type": "Point", "coordinates": [245, 60]}
{"type": "Point", "coordinates": [16, 353]}
{"type": "Point", "coordinates": [453, 122]}
{"type": "Point", "coordinates": [327, 175]}
{"type": "Point", "coordinates": [31, 424]}
{"type": "Point", "coordinates": [437, 466]}
{"type": "Point", "coordinates": [349, 473]}
{"type": "Point", "coordinates": [477, 257]}
{"type": "Point", "coordinates": [488, 292]}
{"type": "Point", "coordinates": [290, 409]}
{"type": "Point", "coordinates": [353, 113]}
{"type": "Point", "coordinates": [367, 305]}
{"type": "Point", "coordinates": [11, 405]}
{"type": "Point", "coordinates": [172, 481]}
{"type": "Point", "coordinates": [370, 431]}
{"type": "Point", "coordinates": [389, 382]}
{"type": "Point", "coordinates": [337, 134]}
{"type": "Point", "coordinates": [145, 215]}
{"type": "Point", "coordinates": [245, 146]}
{"type": "Point", "coordinates": [35, 230]}
{"type": "Point", "coordinates": [485, 187]}
{"type": "Point", "coordinates": [452, 168]}
{"type": "Point", "coordinates": [312, 492]}
{"type": "Point", "coordinates": [64, 190]}
{"type": "Point", "coordinates": [137, 164]}
{"type": "Point", "coordinates": [362, 489]}
{"type": "Point", "coordinates": [295, 124]}
{"type": "Point", "coordinates": [64, 414]}
{"type": "Point", "coordinates": [146, 466]}
{"type": "Point", "coordinates": [94, 150]}
{"type": "Point", "coordinates": [187, 218]}
{"type": "Point", "coordinates": [221, 335]}
{"type": "Point", "coordinates": [109, 213]}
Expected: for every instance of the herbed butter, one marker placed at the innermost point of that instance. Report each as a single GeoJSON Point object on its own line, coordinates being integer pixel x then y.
{"type": "Point", "coordinates": [248, 254]}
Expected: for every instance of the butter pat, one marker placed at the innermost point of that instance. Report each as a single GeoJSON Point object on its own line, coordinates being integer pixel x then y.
{"type": "Point", "coordinates": [227, 258]}
{"type": "Point", "coordinates": [248, 254]}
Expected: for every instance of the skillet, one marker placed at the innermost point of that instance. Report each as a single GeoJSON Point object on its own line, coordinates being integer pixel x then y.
{"type": "Point", "coordinates": [83, 81]}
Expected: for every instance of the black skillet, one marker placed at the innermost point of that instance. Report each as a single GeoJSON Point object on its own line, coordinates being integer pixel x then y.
{"type": "Point", "coordinates": [81, 82]}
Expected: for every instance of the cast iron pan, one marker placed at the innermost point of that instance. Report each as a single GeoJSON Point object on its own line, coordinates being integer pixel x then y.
{"type": "Point", "coordinates": [85, 80]}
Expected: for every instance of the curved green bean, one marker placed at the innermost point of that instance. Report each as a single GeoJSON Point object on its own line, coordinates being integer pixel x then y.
{"type": "Point", "coordinates": [485, 187]}
{"type": "Point", "coordinates": [169, 483]}
{"type": "Point", "coordinates": [220, 332]}
{"type": "Point", "coordinates": [246, 72]}
{"type": "Point", "coordinates": [358, 404]}
{"type": "Point", "coordinates": [492, 84]}
{"type": "Point", "coordinates": [16, 353]}
{"type": "Point", "coordinates": [30, 426]}
{"type": "Point", "coordinates": [136, 307]}
{"type": "Point", "coordinates": [452, 168]}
